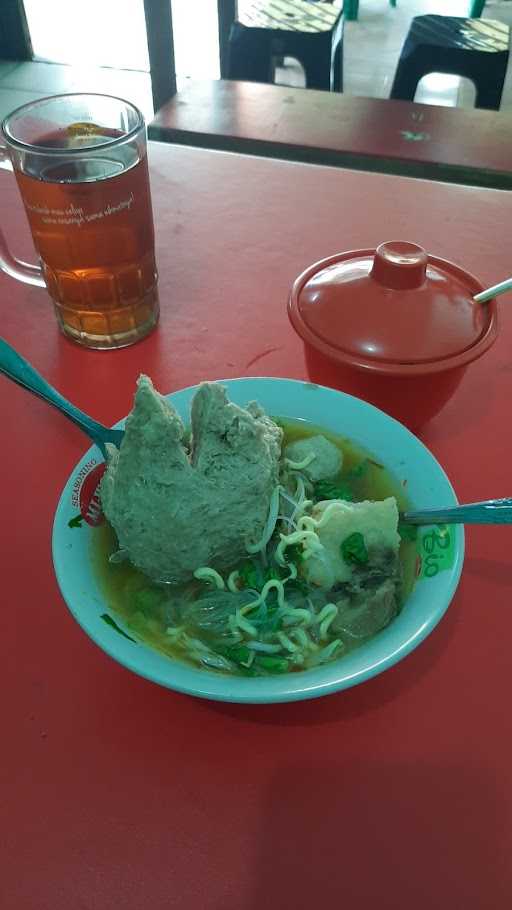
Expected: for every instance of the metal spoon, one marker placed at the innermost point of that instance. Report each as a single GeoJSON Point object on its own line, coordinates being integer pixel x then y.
{"type": "Point", "coordinates": [488, 512]}
{"type": "Point", "coordinates": [22, 373]}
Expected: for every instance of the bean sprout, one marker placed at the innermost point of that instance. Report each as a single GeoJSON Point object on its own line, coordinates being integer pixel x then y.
{"type": "Point", "coordinates": [327, 652]}
{"type": "Point", "coordinates": [217, 661]}
{"type": "Point", "coordinates": [269, 525]}
{"type": "Point", "coordinates": [300, 488]}
{"type": "Point", "coordinates": [244, 624]}
{"type": "Point", "coordinates": [286, 642]}
{"type": "Point", "coordinates": [301, 637]}
{"type": "Point", "coordinates": [234, 628]}
{"type": "Point", "coordinates": [287, 498]}
{"type": "Point", "coordinates": [298, 614]}
{"type": "Point", "coordinates": [304, 640]}
{"type": "Point", "coordinates": [300, 493]}
{"type": "Point", "coordinates": [264, 647]}
{"type": "Point", "coordinates": [289, 522]}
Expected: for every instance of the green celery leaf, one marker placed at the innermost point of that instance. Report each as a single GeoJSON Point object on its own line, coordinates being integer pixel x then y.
{"type": "Point", "coordinates": [239, 654]}
{"type": "Point", "coordinates": [294, 553]}
{"type": "Point", "coordinates": [271, 663]}
{"type": "Point", "coordinates": [113, 625]}
{"type": "Point", "coordinates": [353, 549]}
{"type": "Point", "coordinates": [328, 489]}
{"type": "Point", "coordinates": [76, 522]}
{"type": "Point", "coordinates": [250, 576]}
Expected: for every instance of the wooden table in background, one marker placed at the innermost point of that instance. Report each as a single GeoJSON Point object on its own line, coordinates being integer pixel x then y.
{"type": "Point", "coordinates": [116, 793]}
{"type": "Point", "coordinates": [372, 134]}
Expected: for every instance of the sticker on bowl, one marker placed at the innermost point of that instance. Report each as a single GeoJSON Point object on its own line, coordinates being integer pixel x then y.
{"type": "Point", "coordinates": [85, 495]}
{"type": "Point", "coordinates": [436, 551]}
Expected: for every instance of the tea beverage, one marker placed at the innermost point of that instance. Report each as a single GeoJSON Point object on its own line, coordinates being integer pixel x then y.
{"type": "Point", "coordinates": [87, 198]}
{"type": "Point", "coordinates": [96, 242]}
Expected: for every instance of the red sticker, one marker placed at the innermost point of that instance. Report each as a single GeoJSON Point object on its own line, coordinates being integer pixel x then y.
{"type": "Point", "coordinates": [85, 495]}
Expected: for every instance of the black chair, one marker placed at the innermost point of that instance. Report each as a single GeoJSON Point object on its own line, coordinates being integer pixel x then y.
{"type": "Point", "coordinates": [311, 32]}
{"type": "Point", "coordinates": [475, 48]}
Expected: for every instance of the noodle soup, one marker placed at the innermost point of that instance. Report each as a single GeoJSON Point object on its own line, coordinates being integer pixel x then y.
{"type": "Point", "coordinates": [267, 614]}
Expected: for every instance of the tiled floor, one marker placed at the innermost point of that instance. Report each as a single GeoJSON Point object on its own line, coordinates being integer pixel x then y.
{"type": "Point", "coordinates": [374, 42]}
{"type": "Point", "coordinates": [372, 47]}
{"type": "Point", "coordinates": [371, 50]}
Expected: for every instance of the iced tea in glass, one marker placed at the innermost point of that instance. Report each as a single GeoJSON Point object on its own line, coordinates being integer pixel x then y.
{"type": "Point", "coordinates": [81, 166]}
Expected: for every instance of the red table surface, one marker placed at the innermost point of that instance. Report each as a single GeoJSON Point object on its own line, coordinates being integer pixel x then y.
{"type": "Point", "coordinates": [118, 793]}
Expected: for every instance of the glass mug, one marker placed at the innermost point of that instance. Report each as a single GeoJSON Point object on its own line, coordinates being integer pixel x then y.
{"type": "Point", "coordinates": [80, 161]}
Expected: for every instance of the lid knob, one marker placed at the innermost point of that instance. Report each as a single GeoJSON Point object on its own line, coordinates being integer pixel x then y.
{"type": "Point", "coordinates": [400, 265]}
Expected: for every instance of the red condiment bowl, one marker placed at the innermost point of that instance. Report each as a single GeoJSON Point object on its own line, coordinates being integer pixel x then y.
{"type": "Point", "coordinates": [394, 326]}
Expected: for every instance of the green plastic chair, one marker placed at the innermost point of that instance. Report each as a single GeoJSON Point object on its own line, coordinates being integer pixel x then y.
{"type": "Point", "coordinates": [351, 7]}
{"type": "Point", "coordinates": [477, 8]}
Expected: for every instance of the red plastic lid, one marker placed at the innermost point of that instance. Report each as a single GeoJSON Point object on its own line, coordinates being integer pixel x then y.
{"type": "Point", "coordinates": [394, 305]}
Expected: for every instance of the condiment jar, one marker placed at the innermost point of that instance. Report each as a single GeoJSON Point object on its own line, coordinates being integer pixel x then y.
{"type": "Point", "coordinates": [395, 326]}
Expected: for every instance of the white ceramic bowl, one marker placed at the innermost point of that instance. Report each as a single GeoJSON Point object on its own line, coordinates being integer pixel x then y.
{"type": "Point", "coordinates": [391, 444]}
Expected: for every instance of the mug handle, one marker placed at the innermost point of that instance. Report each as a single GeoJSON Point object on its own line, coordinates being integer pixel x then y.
{"type": "Point", "coordinates": [23, 271]}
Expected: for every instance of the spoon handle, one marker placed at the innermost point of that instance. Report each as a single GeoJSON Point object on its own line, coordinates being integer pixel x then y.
{"type": "Point", "coordinates": [23, 373]}
{"type": "Point", "coordinates": [495, 291]}
{"type": "Point", "coordinates": [489, 512]}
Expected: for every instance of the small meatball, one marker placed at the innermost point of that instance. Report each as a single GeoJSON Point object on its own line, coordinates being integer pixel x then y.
{"type": "Point", "coordinates": [327, 462]}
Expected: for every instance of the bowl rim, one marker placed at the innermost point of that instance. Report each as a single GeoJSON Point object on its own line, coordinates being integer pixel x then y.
{"type": "Point", "coordinates": [383, 367]}
{"type": "Point", "coordinates": [289, 687]}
